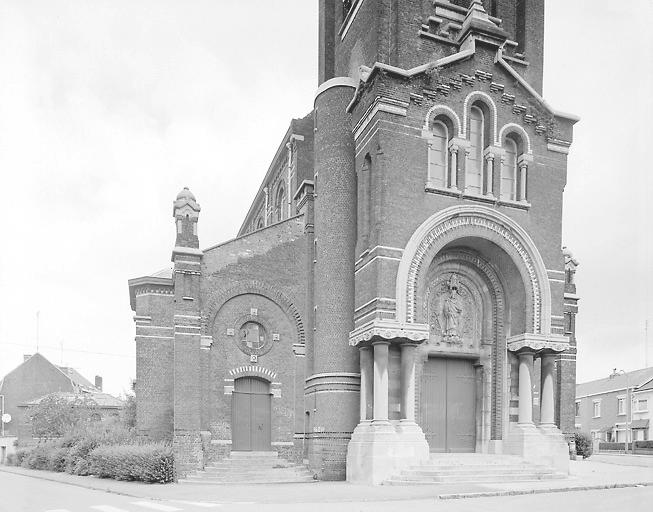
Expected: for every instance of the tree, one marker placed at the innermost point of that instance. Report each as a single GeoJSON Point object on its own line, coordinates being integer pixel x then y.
{"type": "Point", "coordinates": [129, 412]}
{"type": "Point", "coordinates": [54, 415]}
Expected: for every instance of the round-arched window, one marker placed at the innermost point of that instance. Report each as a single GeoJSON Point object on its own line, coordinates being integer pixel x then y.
{"type": "Point", "coordinates": [253, 336]}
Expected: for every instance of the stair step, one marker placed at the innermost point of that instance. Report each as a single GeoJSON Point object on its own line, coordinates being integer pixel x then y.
{"type": "Point", "coordinates": [400, 480]}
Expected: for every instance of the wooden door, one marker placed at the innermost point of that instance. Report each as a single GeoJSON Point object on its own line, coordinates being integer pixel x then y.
{"type": "Point", "coordinates": [448, 405]}
{"type": "Point", "coordinates": [251, 415]}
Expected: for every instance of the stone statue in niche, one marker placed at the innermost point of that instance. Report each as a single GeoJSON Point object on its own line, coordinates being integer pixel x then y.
{"type": "Point", "coordinates": [452, 310]}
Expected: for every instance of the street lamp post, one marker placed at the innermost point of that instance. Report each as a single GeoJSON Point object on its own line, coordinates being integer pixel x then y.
{"type": "Point", "coordinates": [629, 405]}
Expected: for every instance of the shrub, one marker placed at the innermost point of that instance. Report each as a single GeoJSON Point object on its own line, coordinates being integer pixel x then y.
{"type": "Point", "coordinates": [57, 459]}
{"type": "Point", "coordinates": [38, 457]}
{"type": "Point", "coordinates": [20, 455]}
{"type": "Point", "coordinates": [647, 445]}
{"type": "Point", "coordinates": [146, 463]}
{"type": "Point", "coordinates": [583, 444]}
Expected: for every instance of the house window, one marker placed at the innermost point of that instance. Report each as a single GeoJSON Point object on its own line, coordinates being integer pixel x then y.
{"type": "Point", "coordinates": [577, 409]}
{"type": "Point", "coordinates": [474, 164]}
{"type": "Point", "coordinates": [641, 405]}
{"type": "Point", "coordinates": [438, 152]}
{"type": "Point", "coordinates": [509, 171]}
{"type": "Point", "coordinates": [621, 405]}
{"type": "Point", "coordinates": [597, 408]}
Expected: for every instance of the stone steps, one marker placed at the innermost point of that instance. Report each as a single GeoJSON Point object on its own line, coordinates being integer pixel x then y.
{"type": "Point", "coordinates": [250, 468]}
{"type": "Point", "coordinates": [472, 468]}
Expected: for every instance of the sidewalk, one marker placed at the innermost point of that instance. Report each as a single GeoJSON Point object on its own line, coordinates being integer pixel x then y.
{"type": "Point", "coordinates": [584, 475]}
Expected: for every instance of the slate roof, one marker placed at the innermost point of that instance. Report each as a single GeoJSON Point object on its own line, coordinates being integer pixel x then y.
{"type": "Point", "coordinates": [103, 400]}
{"type": "Point", "coordinates": [618, 382]}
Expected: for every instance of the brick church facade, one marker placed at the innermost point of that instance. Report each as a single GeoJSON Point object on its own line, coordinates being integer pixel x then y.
{"type": "Point", "coordinates": [398, 286]}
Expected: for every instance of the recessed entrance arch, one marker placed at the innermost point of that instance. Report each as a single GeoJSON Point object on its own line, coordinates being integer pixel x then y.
{"type": "Point", "coordinates": [251, 413]}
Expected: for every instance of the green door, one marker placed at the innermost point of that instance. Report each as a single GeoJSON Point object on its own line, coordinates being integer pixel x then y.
{"type": "Point", "coordinates": [448, 405]}
{"type": "Point", "coordinates": [251, 413]}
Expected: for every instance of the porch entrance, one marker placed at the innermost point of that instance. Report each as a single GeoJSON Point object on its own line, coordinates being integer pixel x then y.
{"type": "Point", "coordinates": [448, 405]}
{"type": "Point", "coordinates": [251, 415]}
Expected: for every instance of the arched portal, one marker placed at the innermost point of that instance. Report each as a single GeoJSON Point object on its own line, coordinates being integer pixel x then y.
{"type": "Point", "coordinates": [251, 412]}
{"type": "Point", "coordinates": [475, 278]}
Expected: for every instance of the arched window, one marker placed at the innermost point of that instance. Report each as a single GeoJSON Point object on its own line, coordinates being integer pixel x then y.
{"type": "Point", "coordinates": [509, 171]}
{"type": "Point", "coordinates": [259, 223]}
{"type": "Point", "coordinates": [438, 151]}
{"type": "Point", "coordinates": [474, 165]}
{"type": "Point", "coordinates": [280, 203]}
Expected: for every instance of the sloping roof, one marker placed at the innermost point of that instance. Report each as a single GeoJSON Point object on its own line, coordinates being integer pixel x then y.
{"type": "Point", "coordinates": [166, 273]}
{"type": "Point", "coordinates": [101, 399]}
{"type": "Point", "coordinates": [647, 386]}
{"type": "Point", "coordinates": [610, 384]}
{"type": "Point", "coordinates": [77, 378]}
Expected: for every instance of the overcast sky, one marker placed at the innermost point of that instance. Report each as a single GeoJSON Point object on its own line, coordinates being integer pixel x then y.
{"type": "Point", "coordinates": [109, 108]}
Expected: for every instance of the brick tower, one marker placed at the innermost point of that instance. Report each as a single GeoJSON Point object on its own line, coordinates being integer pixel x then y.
{"type": "Point", "coordinates": [457, 178]}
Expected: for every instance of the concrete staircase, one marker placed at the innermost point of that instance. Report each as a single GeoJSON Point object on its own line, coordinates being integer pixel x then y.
{"type": "Point", "coordinates": [250, 468]}
{"type": "Point", "coordinates": [472, 468]}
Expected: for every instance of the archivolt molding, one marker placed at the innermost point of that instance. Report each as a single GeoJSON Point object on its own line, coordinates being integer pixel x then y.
{"type": "Point", "coordinates": [487, 99]}
{"type": "Point", "coordinates": [482, 222]}
{"type": "Point", "coordinates": [514, 127]}
{"type": "Point", "coordinates": [447, 111]}
{"type": "Point", "coordinates": [255, 288]}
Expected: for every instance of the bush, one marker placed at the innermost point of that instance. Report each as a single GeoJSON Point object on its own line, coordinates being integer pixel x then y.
{"type": "Point", "coordinates": [647, 445]}
{"type": "Point", "coordinates": [38, 457]}
{"type": "Point", "coordinates": [20, 455]}
{"type": "Point", "coordinates": [57, 459]}
{"type": "Point", "coordinates": [146, 463]}
{"type": "Point", "coordinates": [583, 444]}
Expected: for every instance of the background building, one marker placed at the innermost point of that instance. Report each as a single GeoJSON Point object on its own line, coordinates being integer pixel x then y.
{"type": "Point", "coordinates": [35, 378]}
{"type": "Point", "coordinates": [399, 278]}
{"type": "Point", "coordinates": [602, 407]}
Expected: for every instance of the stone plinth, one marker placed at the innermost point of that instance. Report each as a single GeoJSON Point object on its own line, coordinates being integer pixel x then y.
{"type": "Point", "coordinates": [379, 450]}
{"type": "Point", "coordinates": [545, 446]}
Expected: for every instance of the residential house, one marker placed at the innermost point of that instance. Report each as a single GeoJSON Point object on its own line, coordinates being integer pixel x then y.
{"type": "Point", "coordinates": [602, 407]}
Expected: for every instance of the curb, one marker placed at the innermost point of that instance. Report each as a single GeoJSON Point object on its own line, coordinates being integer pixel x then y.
{"type": "Point", "coordinates": [76, 484]}
{"type": "Point", "coordinates": [491, 494]}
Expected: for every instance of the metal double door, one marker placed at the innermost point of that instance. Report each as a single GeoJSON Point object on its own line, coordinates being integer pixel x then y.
{"type": "Point", "coordinates": [448, 405]}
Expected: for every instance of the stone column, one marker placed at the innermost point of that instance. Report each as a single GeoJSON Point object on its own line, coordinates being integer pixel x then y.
{"type": "Point", "coordinates": [547, 391]}
{"type": "Point", "coordinates": [367, 383]}
{"type": "Point", "coordinates": [523, 168]}
{"type": "Point", "coordinates": [453, 156]}
{"type": "Point", "coordinates": [381, 381]}
{"type": "Point", "coordinates": [525, 389]}
{"type": "Point", "coordinates": [408, 382]}
{"type": "Point", "coordinates": [489, 174]}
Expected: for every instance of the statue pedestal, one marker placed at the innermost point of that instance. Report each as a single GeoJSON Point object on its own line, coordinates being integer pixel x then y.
{"type": "Point", "coordinates": [377, 451]}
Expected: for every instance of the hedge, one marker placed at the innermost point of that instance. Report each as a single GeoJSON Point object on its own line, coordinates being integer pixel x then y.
{"type": "Point", "coordinates": [613, 446]}
{"type": "Point", "coordinates": [146, 463]}
{"type": "Point", "coordinates": [646, 445]}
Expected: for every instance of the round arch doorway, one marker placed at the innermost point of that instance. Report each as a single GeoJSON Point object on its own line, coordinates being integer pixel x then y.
{"type": "Point", "coordinates": [251, 415]}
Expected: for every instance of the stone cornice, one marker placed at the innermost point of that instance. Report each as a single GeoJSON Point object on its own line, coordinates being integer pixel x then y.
{"type": "Point", "coordinates": [538, 342]}
{"type": "Point", "coordinates": [389, 330]}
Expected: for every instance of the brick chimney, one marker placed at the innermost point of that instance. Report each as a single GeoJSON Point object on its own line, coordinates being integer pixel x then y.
{"type": "Point", "coordinates": [98, 382]}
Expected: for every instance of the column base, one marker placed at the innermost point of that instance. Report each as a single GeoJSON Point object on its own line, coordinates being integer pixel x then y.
{"type": "Point", "coordinates": [379, 450]}
{"type": "Point", "coordinates": [546, 446]}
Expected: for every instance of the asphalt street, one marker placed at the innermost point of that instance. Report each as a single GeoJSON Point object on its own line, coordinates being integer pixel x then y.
{"type": "Point", "coordinates": [24, 494]}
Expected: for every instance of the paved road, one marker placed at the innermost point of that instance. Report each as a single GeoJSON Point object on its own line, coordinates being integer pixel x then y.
{"type": "Point", "coordinates": [24, 494]}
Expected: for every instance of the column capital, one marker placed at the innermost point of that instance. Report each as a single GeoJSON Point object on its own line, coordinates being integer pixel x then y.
{"type": "Point", "coordinates": [390, 330]}
{"type": "Point", "coordinates": [538, 342]}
